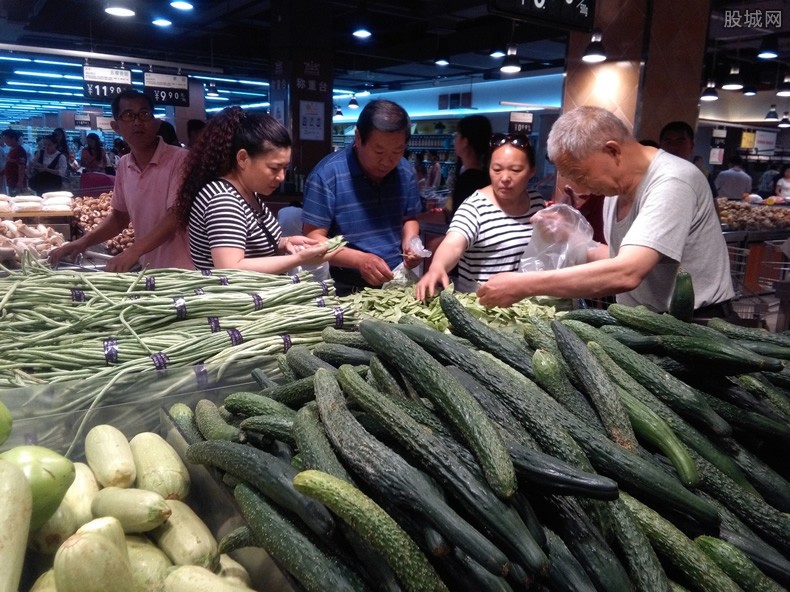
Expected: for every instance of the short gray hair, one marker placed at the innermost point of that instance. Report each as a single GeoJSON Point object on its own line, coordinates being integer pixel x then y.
{"type": "Point", "coordinates": [584, 130]}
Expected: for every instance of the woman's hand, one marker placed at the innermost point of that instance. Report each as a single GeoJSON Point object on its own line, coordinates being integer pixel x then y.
{"type": "Point", "coordinates": [428, 282]}
{"type": "Point", "coordinates": [313, 254]}
{"type": "Point", "coordinates": [292, 245]}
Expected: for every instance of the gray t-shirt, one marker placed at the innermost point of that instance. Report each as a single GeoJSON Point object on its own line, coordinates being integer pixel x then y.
{"type": "Point", "coordinates": [673, 214]}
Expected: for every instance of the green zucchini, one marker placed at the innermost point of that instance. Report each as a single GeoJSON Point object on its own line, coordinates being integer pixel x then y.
{"type": "Point", "coordinates": [338, 354]}
{"type": "Point", "coordinates": [504, 347]}
{"type": "Point", "coordinates": [238, 538]}
{"type": "Point", "coordinates": [647, 424]}
{"type": "Point", "coordinates": [463, 411]}
{"type": "Point", "coordinates": [312, 568]}
{"type": "Point", "coordinates": [183, 417]}
{"type": "Point", "coordinates": [212, 425]}
{"type": "Point", "coordinates": [681, 304]}
{"type": "Point", "coordinates": [679, 550]}
{"type": "Point", "coordinates": [588, 546]}
{"type": "Point", "coordinates": [565, 573]}
{"type": "Point", "coordinates": [551, 376]}
{"type": "Point", "coordinates": [751, 333]}
{"type": "Point", "coordinates": [313, 445]}
{"type": "Point", "coordinates": [736, 564]}
{"type": "Point", "coordinates": [344, 337]}
{"type": "Point", "coordinates": [669, 389]}
{"type": "Point", "coordinates": [717, 351]}
{"type": "Point", "coordinates": [268, 474]}
{"type": "Point", "coordinates": [535, 409]}
{"type": "Point", "coordinates": [248, 404]}
{"type": "Point", "coordinates": [384, 470]}
{"type": "Point", "coordinates": [374, 525]}
{"type": "Point", "coordinates": [434, 457]}
{"type": "Point", "coordinates": [641, 560]}
{"type": "Point", "coordinates": [271, 426]}
{"type": "Point", "coordinates": [302, 361]}
{"type": "Point", "coordinates": [597, 317]}
{"type": "Point", "coordinates": [642, 318]}
{"type": "Point", "coordinates": [597, 385]}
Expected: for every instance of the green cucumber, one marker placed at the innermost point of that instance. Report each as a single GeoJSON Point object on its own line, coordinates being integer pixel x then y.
{"type": "Point", "coordinates": [597, 385]}
{"type": "Point", "coordinates": [681, 304]}
{"type": "Point", "coordinates": [675, 393]}
{"type": "Point", "coordinates": [302, 361]}
{"type": "Point", "coordinates": [268, 474]}
{"type": "Point", "coordinates": [597, 317]}
{"type": "Point", "coordinates": [751, 333]}
{"type": "Point", "coordinates": [312, 568]}
{"type": "Point", "coordinates": [384, 470]}
{"type": "Point", "coordinates": [639, 342]}
{"type": "Point", "coordinates": [771, 485]}
{"type": "Point", "coordinates": [314, 447]}
{"type": "Point", "coordinates": [261, 378]}
{"type": "Point", "coordinates": [183, 418]}
{"type": "Point", "coordinates": [717, 351]}
{"type": "Point", "coordinates": [768, 559]}
{"type": "Point", "coordinates": [248, 404]}
{"type": "Point", "coordinates": [763, 348]}
{"type": "Point", "coordinates": [749, 421]}
{"type": "Point", "coordinates": [211, 424]}
{"type": "Point", "coordinates": [286, 372]}
{"type": "Point", "coordinates": [238, 538]}
{"type": "Point", "coordinates": [565, 572]}
{"type": "Point", "coordinates": [272, 426]}
{"type": "Point", "coordinates": [386, 381]}
{"type": "Point", "coordinates": [338, 354]}
{"type": "Point", "coordinates": [481, 579]}
{"type": "Point", "coordinates": [679, 550]}
{"type": "Point", "coordinates": [536, 410]}
{"type": "Point", "coordinates": [344, 337]}
{"type": "Point", "coordinates": [374, 525]}
{"type": "Point", "coordinates": [433, 455]}
{"type": "Point", "coordinates": [647, 424]}
{"type": "Point", "coordinates": [758, 385]}
{"type": "Point", "coordinates": [463, 411]}
{"type": "Point", "coordinates": [736, 564]}
{"type": "Point", "coordinates": [551, 376]}
{"type": "Point", "coordinates": [504, 347]}
{"type": "Point", "coordinates": [642, 318]}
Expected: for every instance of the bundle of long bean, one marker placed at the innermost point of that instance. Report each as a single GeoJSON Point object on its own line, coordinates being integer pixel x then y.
{"type": "Point", "coordinates": [392, 303]}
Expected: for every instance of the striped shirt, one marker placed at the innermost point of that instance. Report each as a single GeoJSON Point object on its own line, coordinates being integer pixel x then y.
{"type": "Point", "coordinates": [221, 217]}
{"type": "Point", "coordinates": [496, 240]}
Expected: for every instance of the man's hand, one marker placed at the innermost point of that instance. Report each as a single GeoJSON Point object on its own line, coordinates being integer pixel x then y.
{"type": "Point", "coordinates": [67, 251]}
{"type": "Point", "coordinates": [504, 289]}
{"type": "Point", "coordinates": [411, 259]}
{"type": "Point", "coordinates": [122, 262]}
{"type": "Point", "coordinates": [374, 270]}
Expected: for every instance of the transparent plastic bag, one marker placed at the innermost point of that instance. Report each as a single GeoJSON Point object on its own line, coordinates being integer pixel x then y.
{"type": "Point", "coordinates": [561, 238]}
{"type": "Point", "coordinates": [402, 275]}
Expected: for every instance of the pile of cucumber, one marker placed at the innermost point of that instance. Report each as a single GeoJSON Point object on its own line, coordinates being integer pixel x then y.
{"type": "Point", "coordinates": [611, 450]}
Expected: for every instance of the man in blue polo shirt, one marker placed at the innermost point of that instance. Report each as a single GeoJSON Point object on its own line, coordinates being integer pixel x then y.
{"type": "Point", "coordinates": [368, 193]}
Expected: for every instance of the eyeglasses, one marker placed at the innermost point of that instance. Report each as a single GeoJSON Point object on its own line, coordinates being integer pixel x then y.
{"type": "Point", "coordinates": [129, 116]}
{"type": "Point", "coordinates": [518, 140]}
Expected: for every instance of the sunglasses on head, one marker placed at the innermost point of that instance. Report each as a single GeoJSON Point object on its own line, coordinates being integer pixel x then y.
{"type": "Point", "coordinates": [517, 140]}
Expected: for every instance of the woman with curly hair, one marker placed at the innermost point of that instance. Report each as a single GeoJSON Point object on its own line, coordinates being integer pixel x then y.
{"type": "Point", "coordinates": [238, 160]}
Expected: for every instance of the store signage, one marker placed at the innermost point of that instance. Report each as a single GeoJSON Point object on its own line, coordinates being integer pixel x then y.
{"type": "Point", "coordinates": [167, 89]}
{"type": "Point", "coordinates": [103, 123]}
{"type": "Point", "coordinates": [82, 122]}
{"type": "Point", "coordinates": [764, 142]}
{"type": "Point", "coordinates": [520, 122]}
{"type": "Point", "coordinates": [311, 120]}
{"type": "Point", "coordinates": [575, 14]}
{"type": "Point", "coordinates": [104, 84]}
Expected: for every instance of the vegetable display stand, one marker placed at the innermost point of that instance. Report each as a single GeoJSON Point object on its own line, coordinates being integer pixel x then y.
{"type": "Point", "coordinates": [214, 503]}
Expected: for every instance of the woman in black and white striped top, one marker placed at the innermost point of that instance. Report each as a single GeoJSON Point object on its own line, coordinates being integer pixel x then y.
{"type": "Point", "coordinates": [491, 229]}
{"type": "Point", "coordinates": [239, 159]}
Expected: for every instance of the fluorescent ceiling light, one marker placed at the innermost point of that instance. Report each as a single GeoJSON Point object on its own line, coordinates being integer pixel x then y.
{"type": "Point", "coordinates": [120, 8]}
{"type": "Point", "coordinates": [497, 53]}
{"type": "Point", "coordinates": [57, 63]}
{"type": "Point", "coordinates": [16, 83]}
{"type": "Point", "coordinates": [38, 74]}
{"type": "Point", "coordinates": [161, 22]}
{"type": "Point", "coordinates": [215, 78]}
{"type": "Point", "coordinates": [180, 5]}
{"type": "Point", "coordinates": [361, 32]}
{"type": "Point", "coordinates": [14, 59]}
{"type": "Point", "coordinates": [442, 61]}
{"type": "Point", "coordinates": [254, 82]}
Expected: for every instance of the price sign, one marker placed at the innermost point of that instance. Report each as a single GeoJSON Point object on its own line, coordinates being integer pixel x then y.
{"type": "Point", "coordinates": [520, 122]}
{"type": "Point", "coordinates": [167, 89]}
{"type": "Point", "coordinates": [574, 14]}
{"type": "Point", "coordinates": [105, 83]}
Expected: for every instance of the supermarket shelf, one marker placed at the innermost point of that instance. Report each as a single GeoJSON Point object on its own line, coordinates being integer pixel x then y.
{"type": "Point", "coordinates": [38, 214]}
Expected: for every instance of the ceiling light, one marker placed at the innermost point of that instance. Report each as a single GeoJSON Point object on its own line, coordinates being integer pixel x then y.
{"type": "Point", "coordinates": [211, 90]}
{"type": "Point", "coordinates": [353, 103]}
{"type": "Point", "coordinates": [511, 64]}
{"type": "Point", "coordinates": [733, 81]}
{"type": "Point", "coordinates": [749, 91]}
{"type": "Point", "coordinates": [161, 22]}
{"type": "Point", "coordinates": [497, 53]}
{"type": "Point", "coordinates": [441, 61]}
{"type": "Point", "coordinates": [710, 94]}
{"type": "Point", "coordinates": [785, 120]}
{"type": "Point", "coordinates": [119, 8]}
{"type": "Point", "coordinates": [784, 88]}
{"type": "Point", "coordinates": [595, 52]}
{"type": "Point", "coordinates": [180, 5]}
{"type": "Point", "coordinates": [768, 49]}
{"type": "Point", "coordinates": [772, 115]}
{"type": "Point", "coordinates": [361, 32]}
{"type": "Point", "coordinates": [338, 111]}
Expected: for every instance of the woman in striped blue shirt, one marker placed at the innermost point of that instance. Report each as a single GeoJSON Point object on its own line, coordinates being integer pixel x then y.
{"type": "Point", "coordinates": [491, 229]}
{"type": "Point", "coordinates": [240, 159]}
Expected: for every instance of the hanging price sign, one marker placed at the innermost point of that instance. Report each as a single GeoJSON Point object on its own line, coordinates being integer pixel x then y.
{"type": "Point", "coordinates": [167, 89]}
{"type": "Point", "coordinates": [102, 84]}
